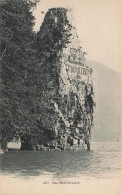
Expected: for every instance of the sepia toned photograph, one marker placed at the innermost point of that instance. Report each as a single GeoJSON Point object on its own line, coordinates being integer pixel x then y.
{"type": "Point", "coordinates": [60, 97]}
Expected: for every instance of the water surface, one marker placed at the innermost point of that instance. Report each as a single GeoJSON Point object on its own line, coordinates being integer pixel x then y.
{"type": "Point", "coordinates": [102, 163]}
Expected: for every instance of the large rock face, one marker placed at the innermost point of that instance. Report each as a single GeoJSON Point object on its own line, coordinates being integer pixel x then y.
{"type": "Point", "coordinates": [67, 100]}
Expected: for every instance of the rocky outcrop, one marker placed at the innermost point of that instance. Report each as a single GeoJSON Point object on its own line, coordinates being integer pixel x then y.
{"type": "Point", "coordinates": [67, 100]}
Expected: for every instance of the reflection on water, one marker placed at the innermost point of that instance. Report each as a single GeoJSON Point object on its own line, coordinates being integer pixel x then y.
{"type": "Point", "coordinates": [104, 159]}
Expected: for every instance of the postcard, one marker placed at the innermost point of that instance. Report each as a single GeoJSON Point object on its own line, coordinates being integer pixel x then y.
{"type": "Point", "coordinates": [60, 97]}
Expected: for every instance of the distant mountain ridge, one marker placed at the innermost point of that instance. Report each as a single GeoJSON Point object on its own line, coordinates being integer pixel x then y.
{"type": "Point", "coordinates": [107, 92]}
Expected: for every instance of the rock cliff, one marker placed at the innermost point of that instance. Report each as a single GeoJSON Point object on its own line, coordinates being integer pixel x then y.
{"type": "Point", "coordinates": [67, 100]}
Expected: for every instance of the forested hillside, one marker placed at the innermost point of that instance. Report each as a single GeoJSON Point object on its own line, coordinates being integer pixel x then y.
{"type": "Point", "coordinates": [19, 72]}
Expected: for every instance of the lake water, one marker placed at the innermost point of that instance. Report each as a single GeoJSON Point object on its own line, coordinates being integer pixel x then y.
{"type": "Point", "coordinates": [98, 171]}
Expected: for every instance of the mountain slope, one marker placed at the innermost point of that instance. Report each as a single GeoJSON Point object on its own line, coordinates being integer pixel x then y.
{"type": "Point", "coordinates": [107, 92]}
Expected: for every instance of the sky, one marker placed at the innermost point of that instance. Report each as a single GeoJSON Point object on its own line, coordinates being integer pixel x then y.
{"type": "Point", "coordinates": [98, 24]}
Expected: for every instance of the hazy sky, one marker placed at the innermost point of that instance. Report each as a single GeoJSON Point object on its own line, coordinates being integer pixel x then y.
{"type": "Point", "coordinates": [98, 24]}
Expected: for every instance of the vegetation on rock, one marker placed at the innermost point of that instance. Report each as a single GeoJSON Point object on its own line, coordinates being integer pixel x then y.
{"type": "Point", "coordinates": [32, 107]}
